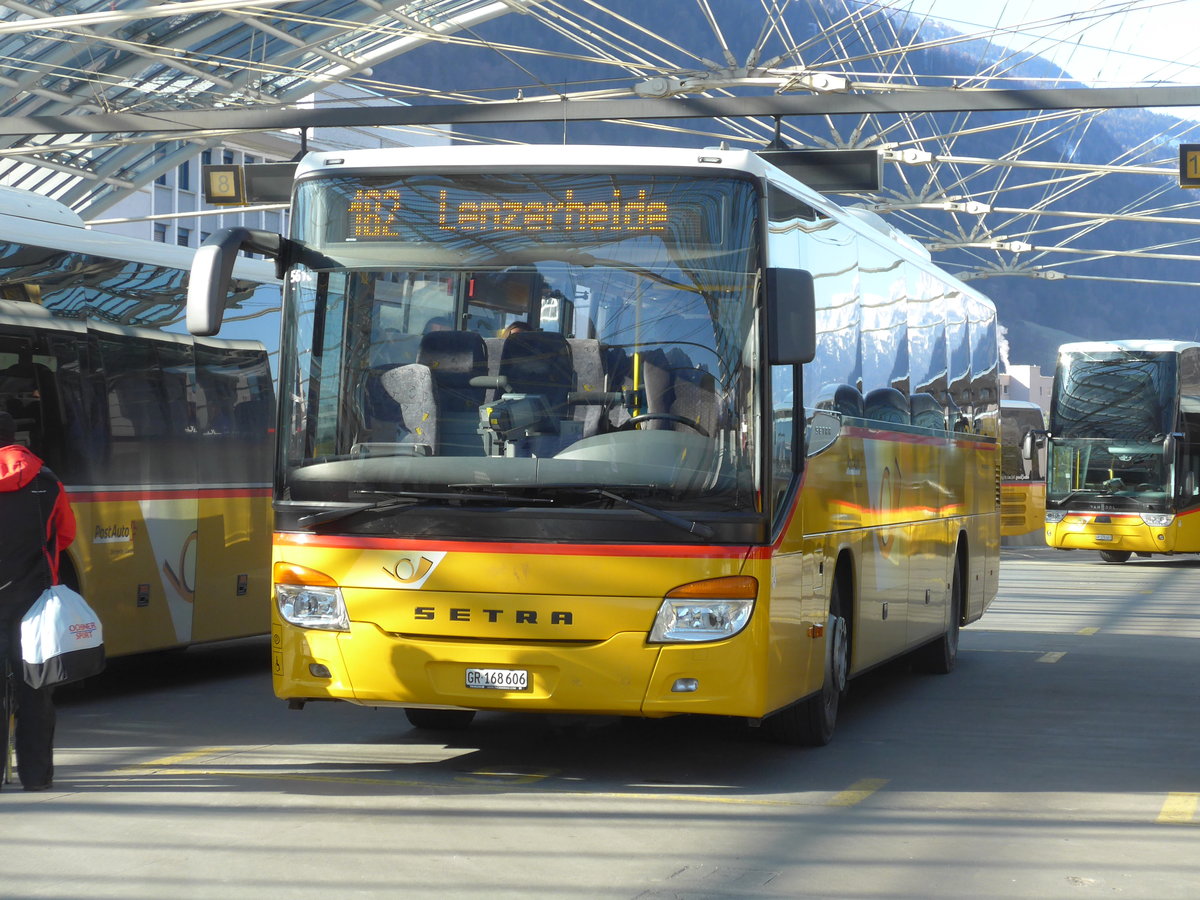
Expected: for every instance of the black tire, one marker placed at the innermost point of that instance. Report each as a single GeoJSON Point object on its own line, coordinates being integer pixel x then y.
{"type": "Point", "coordinates": [439, 719]}
{"type": "Point", "coordinates": [1115, 556]}
{"type": "Point", "coordinates": [810, 723]}
{"type": "Point", "coordinates": [940, 656]}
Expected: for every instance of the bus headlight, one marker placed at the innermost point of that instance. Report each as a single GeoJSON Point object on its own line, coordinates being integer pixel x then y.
{"type": "Point", "coordinates": [1054, 516]}
{"type": "Point", "coordinates": [709, 610]}
{"type": "Point", "coordinates": [1158, 520]}
{"type": "Point", "coordinates": [312, 607]}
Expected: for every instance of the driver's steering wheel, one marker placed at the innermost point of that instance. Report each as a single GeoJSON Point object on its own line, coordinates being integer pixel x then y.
{"type": "Point", "coordinates": [669, 417]}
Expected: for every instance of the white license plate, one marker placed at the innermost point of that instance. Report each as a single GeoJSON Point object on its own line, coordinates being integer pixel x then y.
{"type": "Point", "coordinates": [1104, 537]}
{"type": "Point", "coordinates": [498, 679]}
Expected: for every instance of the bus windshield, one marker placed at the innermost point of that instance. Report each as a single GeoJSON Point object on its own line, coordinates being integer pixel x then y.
{"type": "Point", "coordinates": [1110, 416]}
{"type": "Point", "coordinates": [543, 337]}
{"type": "Point", "coordinates": [1118, 395]}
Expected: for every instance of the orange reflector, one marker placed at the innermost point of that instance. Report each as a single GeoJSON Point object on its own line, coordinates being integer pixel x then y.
{"type": "Point", "coordinates": [816, 630]}
{"type": "Point", "coordinates": [291, 573]}
{"type": "Point", "coordinates": [732, 587]}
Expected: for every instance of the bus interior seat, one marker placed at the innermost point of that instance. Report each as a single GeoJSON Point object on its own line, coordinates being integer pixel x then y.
{"type": "Point", "coordinates": [587, 359]}
{"type": "Point", "coordinates": [382, 414]}
{"type": "Point", "coordinates": [411, 389]}
{"type": "Point", "coordinates": [693, 392]}
{"type": "Point", "coordinates": [656, 382]}
{"type": "Point", "coordinates": [618, 376]}
{"type": "Point", "coordinates": [927, 412]}
{"type": "Point", "coordinates": [841, 398]}
{"type": "Point", "coordinates": [695, 399]}
{"type": "Point", "coordinates": [539, 362]}
{"type": "Point", "coordinates": [453, 359]}
{"type": "Point", "coordinates": [494, 346]}
{"type": "Point", "coordinates": [887, 405]}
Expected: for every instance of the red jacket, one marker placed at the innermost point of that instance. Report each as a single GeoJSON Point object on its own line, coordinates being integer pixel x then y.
{"type": "Point", "coordinates": [36, 525]}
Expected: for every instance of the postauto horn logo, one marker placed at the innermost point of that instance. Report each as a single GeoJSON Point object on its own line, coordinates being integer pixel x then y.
{"type": "Point", "coordinates": [413, 569]}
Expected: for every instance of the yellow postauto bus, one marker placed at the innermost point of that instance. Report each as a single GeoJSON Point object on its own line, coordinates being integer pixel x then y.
{"type": "Point", "coordinates": [615, 430]}
{"type": "Point", "coordinates": [1124, 449]}
{"type": "Point", "coordinates": [163, 441]}
{"type": "Point", "coordinates": [1023, 489]}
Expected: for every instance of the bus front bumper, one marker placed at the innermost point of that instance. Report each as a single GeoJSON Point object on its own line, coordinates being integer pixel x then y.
{"type": "Point", "coordinates": [620, 676]}
{"type": "Point", "coordinates": [1134, 536]}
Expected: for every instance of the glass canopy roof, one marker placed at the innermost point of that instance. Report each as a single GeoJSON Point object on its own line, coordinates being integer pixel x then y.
{"type": "Point", "coordinates": [99, 56]}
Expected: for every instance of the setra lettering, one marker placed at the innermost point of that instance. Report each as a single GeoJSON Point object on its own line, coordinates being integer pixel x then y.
{"type": "Point", "coordinates": [493, 616]}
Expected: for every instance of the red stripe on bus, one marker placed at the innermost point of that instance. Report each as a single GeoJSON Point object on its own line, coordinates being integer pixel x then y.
{"type": "Point", "coordinates": [339, 542]}
{"type": "Point", "coordinates": [83, 496]}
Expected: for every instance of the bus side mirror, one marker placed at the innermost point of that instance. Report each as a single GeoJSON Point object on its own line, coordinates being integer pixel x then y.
{"type": "Point", "coordinates": [1031, 441]}
{"type": "Point", "coordinates": [791, 309]}
{"type": "Point", "coordinates": [212, 271]}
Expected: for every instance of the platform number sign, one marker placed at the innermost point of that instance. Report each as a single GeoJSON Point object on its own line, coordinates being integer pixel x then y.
{"type": "Point", "coordinates": [1189, 165]}
{"type": "Point", "coordinates": [223, 185]}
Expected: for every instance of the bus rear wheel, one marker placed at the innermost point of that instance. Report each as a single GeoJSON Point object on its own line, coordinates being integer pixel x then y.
{"type": "Point", "coordinates": [439, 719]}
{"type": "Point", "coordinates": [939, 657]}
{"type": "Point", "coordinates": [1115, 556]}
{"type": "Point", "coordinates": [811, 721]}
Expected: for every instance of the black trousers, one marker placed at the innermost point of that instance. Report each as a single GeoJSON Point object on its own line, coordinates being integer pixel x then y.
{"type": "Point", "coordinates": [34, 709]}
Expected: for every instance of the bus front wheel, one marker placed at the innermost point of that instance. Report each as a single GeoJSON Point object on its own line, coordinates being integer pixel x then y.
{"type": "Point", "coordinates": [811, 721]}
{"type": "Point", "coordinates": [1115, 556]}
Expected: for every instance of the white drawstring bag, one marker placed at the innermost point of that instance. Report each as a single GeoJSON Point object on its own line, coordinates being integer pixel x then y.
{"type": "Point", "coordinates": [61, 639]}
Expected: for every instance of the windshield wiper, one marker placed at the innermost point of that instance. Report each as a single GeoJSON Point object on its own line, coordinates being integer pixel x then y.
{"type": "Point", "coordinates": [397, 499]}
{"type": "Point", "coordinates": [688, 525]}
{"type": "Point", "coordinates": [691, 527]}
{"type": "Point", "coordinates": [342, 512]}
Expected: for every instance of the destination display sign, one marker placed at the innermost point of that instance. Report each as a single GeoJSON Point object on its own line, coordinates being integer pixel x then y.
{"type": "Point", "coordinates": [382, 214]}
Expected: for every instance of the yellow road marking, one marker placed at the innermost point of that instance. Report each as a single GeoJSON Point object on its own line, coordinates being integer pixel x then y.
{"type": "Point", "coordinates": [1087, 630]}
{"type": "Point", "coordinates": [853, 795]}
{"type": "Point", "coordinates": [1179, 809]}
{"type": "Point", "coordinates": [857, 792]}
{"type": "Point", "coordinates": [1053, 657]}
{"type": "Point", "coordinates": [170, 760]}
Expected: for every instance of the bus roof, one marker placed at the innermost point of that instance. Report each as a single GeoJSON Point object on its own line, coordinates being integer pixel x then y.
{"type": "Point", "coordinates": [33, 220]}
{"type": "Point", "coordinates": [1140, 346]}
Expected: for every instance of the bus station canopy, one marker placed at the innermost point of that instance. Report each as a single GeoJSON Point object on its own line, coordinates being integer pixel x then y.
{"type": "Point", "coordinates": [101, 56]}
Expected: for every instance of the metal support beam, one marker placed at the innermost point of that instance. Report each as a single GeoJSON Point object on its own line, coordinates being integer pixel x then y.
{"type": "Point", "coordinates": [266, 118]}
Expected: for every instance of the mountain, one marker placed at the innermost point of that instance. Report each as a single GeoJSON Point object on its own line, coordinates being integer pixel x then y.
{"type": "Point", "coordinates": [1101, 298]}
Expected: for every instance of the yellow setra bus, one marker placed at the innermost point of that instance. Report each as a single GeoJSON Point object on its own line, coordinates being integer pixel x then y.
{"type": "Point", "coordinates": [1124, 449]}
{"type": "Point", "coordinates": [615, 430]}
{"type": "Point", "coordinates": [163, 441]}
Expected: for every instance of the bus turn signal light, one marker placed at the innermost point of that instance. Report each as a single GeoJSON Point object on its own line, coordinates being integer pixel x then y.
{"type": "Point", "coordinates": [291, 573]}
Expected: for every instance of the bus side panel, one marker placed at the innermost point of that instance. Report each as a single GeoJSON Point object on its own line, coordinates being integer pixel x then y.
{"type": "Point", "coordinates": [798, 605]}
{"type": "Point", "coordinates": [233, 577]}
{"type": "Point", "coordinates": [134, 558]}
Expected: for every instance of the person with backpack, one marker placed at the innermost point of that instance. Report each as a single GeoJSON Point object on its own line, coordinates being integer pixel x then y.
{"type": "Point", "coordinates": [36, 525]}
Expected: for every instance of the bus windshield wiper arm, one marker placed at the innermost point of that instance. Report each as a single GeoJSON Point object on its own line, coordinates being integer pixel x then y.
{"type": "Point", "coordinates": [396, 499]}
{"type": "Point", "coordinates": [691, 527]}
{"type": "Point", "coordinates": [332, 515]}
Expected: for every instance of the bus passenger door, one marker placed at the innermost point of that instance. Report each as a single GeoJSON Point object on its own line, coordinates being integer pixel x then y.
{"type": "Point", "coordinates": [235, 424]}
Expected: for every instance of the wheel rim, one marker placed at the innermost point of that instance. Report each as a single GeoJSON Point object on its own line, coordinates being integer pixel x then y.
{"type": "Point", "coordinates": [839, 645]}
